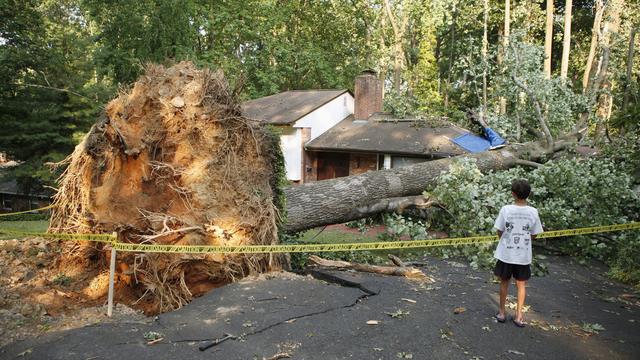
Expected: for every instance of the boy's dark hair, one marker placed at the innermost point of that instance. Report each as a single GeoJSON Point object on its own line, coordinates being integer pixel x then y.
{"type": "Point", "coordinates": [521, 188]}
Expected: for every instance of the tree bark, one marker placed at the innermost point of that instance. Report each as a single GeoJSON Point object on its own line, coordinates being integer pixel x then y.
{"type": "Point", "coordinates": [505, 44]}
{"type": "Point", "coordinates": [600, 78]}
{"type": "Point", "coordinates": [408, 272]}
{"type": "Point", "coordinates": [338, 200]}
{"type": "Point", "coordinates": [398, 48]}
{"type": "Point", "coordinates": [383, 49]}
{"type": "Point", "coordinates": [566, 41]}
{"type": "Point", "coordinates": [548, 40]}
{"type": "Point", "coordinates": [454, 16]}
{"type": "Point", "coordinates": [627, 80]}
{"type": "Point", "coordinates": [485, 61]}
{"type": "Point", "coordinates": [595, 34]}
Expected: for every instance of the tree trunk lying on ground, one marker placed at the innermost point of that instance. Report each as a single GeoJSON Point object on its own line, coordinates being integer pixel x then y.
{"type": "Point", "coordinates": [408, 272]}
{"type": "Point", "coordinates": [354, 197]}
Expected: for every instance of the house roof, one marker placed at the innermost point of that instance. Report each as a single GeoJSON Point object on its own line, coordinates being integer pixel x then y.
{"type": "Point", "coordinates": [384, 134]}
{"type": "Point", "coordinates": [10, 187]}
{"type": "Point", "coordinates": [289, 106]}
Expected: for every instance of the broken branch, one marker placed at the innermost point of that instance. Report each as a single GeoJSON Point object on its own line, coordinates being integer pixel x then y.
{"type": "Point", "coordinates": [408, 272]}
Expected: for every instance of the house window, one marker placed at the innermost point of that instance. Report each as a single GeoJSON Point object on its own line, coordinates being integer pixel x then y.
{"type": "Point", "coordinates": [33, 203]}
{"type": "Point", "coordinates": [402, 161]}
{"type": "Point", "coordinates": [7, 203]}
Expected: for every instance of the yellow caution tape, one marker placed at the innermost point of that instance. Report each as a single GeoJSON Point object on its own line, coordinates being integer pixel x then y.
{"type": "Point", "coordinates": [28, 211]}
{"type": "Point", "coordinates": [254, 249]}
{"type": "Point", "coordinates": [103, 238]}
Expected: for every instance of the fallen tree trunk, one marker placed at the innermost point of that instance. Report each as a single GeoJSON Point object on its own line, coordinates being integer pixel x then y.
{"type": "Point", "coordinates": [408, 272]}
{"type": "Point", "coordinates": [354, 197]}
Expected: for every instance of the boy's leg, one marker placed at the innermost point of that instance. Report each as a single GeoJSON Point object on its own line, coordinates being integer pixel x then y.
{"type": "Point", "coordinates": [522, 292]}
{"type": "Point", "coordinates": [504, 289]}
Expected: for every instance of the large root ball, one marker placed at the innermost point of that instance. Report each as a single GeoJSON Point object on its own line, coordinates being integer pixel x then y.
{"type": "Point", "coordinates": [173, 161]}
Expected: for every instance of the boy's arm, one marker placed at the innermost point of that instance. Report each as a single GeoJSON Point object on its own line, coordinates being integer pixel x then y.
{"type": "Point", "coordinates": [499, 223]}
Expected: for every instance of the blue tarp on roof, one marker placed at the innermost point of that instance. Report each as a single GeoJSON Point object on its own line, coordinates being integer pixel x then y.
{"type": "Point", "coordinates": [472, 143]}
{"type": "Point", "coordinates": [475, 144]}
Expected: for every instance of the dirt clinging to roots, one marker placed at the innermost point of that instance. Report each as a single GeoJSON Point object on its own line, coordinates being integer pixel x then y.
{"type": "Point", "coordinates": [172, 161]}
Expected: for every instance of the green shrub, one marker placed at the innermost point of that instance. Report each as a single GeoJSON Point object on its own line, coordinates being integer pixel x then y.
{"type": "Point", "coordinates": [25, 217]}
{"type": "Point", "coordinates": [568, 193]}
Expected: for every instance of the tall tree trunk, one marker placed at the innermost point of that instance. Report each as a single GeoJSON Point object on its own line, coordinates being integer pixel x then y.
{"type": "Point", "coordinates": [505, 44]}
{"type": "Point", "coordinates": [595, 34]}
{"type": "Point", "coordinates": [627, 80]}
{"type": "Point", "coordinates": [354, 197]}
{"type": "Point", "coordinates": [600, 78]}
{"type": "Point", "coordinates": [548, 40]}
{"type": "Point", "coordinates": [485, 61]}
{"type": "Point", "coordinates": [398, 48]}
{"type": "Point", "coordinates": [383, 48]}
{"type": "Point", "coordinates": [566, 43]}
{"type": "Point", "coordinates": [452, 47]}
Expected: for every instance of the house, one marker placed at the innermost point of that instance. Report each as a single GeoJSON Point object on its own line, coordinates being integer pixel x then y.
{"type": "Point", "coordinates": [300, 116]}
{"type": "Point", "coordinates": [12, 197]}
{"type": "Point", "coordinates": [332, 133]}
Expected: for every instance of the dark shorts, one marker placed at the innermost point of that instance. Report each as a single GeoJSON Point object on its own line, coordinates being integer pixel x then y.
{"type": "Point", "coordinates": [505, 271]}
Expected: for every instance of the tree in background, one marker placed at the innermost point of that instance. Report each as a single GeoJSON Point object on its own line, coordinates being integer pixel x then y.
{"type": "Point", "coordinates": [49, 95]}
{"type": "Point", "coordinates": [61, 60]}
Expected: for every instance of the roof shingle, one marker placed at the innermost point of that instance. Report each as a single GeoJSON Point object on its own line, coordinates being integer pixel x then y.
{"type": "Point", "coordinates": [289, 106]}
{"type": "Point", "coordinates": [390, 136]}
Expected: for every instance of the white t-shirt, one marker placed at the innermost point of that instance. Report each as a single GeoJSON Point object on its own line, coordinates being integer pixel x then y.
{"type": "Point", "coordinates": [517, 224]}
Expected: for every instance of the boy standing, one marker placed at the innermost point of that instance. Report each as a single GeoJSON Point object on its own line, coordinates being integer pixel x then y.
{"type": "Point", "coordinates": [517, 226]}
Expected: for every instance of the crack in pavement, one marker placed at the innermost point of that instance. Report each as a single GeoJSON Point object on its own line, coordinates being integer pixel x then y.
{"type": "Point", "coordinates": [317, 274]}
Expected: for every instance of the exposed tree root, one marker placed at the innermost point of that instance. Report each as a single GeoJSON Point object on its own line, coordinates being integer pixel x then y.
{"type": "Point", "coordinates": [172, 161]}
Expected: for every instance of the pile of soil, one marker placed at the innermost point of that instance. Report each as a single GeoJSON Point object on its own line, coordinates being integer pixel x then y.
{"type": "Point", "coordinates": [35, 299]}
{"type": "Point", "coordinates": [172, 161]}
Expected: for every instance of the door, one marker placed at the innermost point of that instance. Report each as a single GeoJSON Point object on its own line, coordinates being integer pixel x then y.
{"type": "Point", "coordinates": [332, 165]}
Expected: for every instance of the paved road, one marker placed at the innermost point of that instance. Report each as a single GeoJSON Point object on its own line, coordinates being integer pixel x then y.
{"type": "Point", "coordinates": [325, 316]}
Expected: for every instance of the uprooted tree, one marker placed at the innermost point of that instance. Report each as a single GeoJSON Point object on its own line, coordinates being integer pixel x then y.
{"type": "Point", "coordinates": [173, 161]}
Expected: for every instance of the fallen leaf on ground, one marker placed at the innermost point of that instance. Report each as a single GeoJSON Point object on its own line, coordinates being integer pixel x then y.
{"type": "Point", "coordinates": [26, 352]}
{"type": "Point", "coordinates": [373, 322]}
{"type": "Point", "coordinates": [459, 310]}
{"type": "Point", "coordinates": [281, 355]}
{"type": "Point", "coordinates": [516, 352]}
{"type": "Point", "coordinates": [404, 355]}
{"type": "Point", "coordinates": [514, 305]}
{"type": "Point", "coordinates": [592, 328]}
{"type": "Point", "coordinates": [398, 314]}
{"type": "Point", "coordinates": [154, 341]}
{"type": "Point", "coordinates": [409, 300]}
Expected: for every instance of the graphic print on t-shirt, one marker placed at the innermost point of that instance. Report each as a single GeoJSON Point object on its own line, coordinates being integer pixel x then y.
{"type": "Point", "coordinates": [517, 223]}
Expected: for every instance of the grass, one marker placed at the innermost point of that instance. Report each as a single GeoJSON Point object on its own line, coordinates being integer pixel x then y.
{"type": "Point", "coordinates": [333, 236]}
{"type": "Point", "coordinates": [29, 226]}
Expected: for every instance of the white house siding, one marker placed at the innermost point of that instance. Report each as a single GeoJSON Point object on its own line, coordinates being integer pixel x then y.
{"type": "Point", "coordinates": [319, 120]}
{"type": "Point", "coordinates": [291, 144]}
{"type": "Point", "coordinates": [326, 116]}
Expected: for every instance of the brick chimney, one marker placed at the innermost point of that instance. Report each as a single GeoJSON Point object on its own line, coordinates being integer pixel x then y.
{"type": "Point", "coordinates": [368, 95]}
